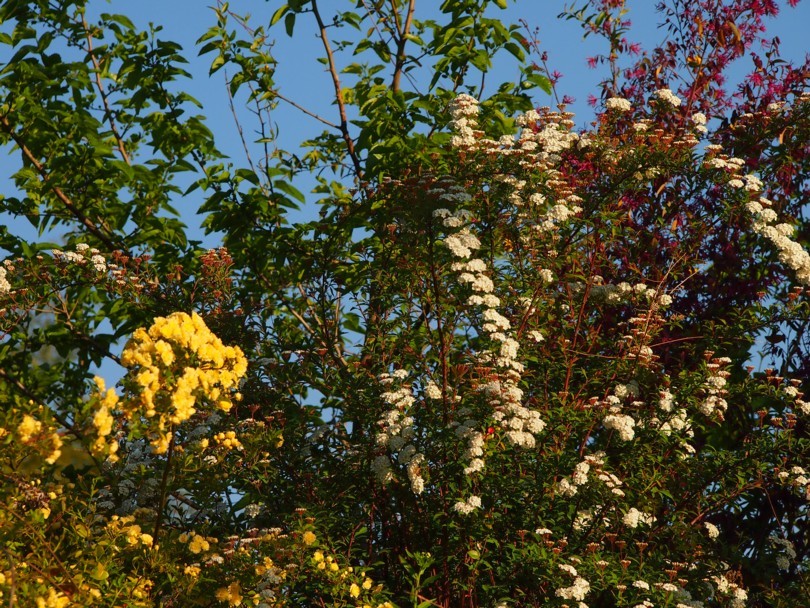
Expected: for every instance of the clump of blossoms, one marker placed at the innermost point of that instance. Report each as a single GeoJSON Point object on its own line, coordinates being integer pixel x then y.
{"type": "Point", "coordinates": [520, 424]}
{"type": "Point", "coordinates": [790, 252]}
{"type": "Point", "coordinates": [667, 97]}
{"type": "Point", "coordinates": [464, 110]}
{"type": "Point", "coordinates": [618, 104]}
{"type": "Point", "coordinates": [397, 433]}
{"type": "Point", "coordinates": [623, 424]}
{"type": "Point", "coordinates": [38, 435]}
{"type": "Point", "coordinates": [175, 367]}
{"type": "Point", "coordinates": [579, 587]}
{"type": "Point", "coordinates": [714, 405]}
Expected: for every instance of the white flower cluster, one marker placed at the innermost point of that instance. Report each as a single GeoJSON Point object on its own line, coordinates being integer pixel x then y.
{"type": "Point", "coordinates": [618, 104]}
{"type": "Point", "coordinates": [520, 423]}
{"type": "Point", "coordinates": [749, 183]}
{"type": "Point", "coordinates": [464, 110]}
{"type": "Point", "coordinates": [623, 424]}
{"type": "Point", "coordinates": [633, 518]}
{"type": "Point", "coordinates": [465, 507]}
{"type": "Point", "coordinates": [79, 257]}
{"type": "Point", "coordinates": [733, 165]}
{"type": "Point", "coordinates": [667, 97]}
{"type": "Point", "coordinates": [737, 596]}
{"type": "Point", "coordinates": [787, 554]}
{"type": "Point", "coordinates": [791, 390]}
{"type": "Point", "coordinates": [797, 478]}
{"type": "Point", "coordinates": [714, 405]}
{"type": "Point", "coordinates": [474, 452]}
{"type": "Point", "coordinates": [5, 286]}
{"type": "Point", "coordinates": [675, 420]}
{"type": "Point", "coordinates": [543, 136]}
{"type": "Point", "coordinates": [432, 391]}
{"type": "Point", "coordinates": [790, 252]}
{"type": "Point", "coordinates": [711, 530]}
{"type": "Point", "coordinates": [578, 589]}
{"type": "Point", "coordinates": [699, 120]}
{"type": "Point", "coordinates": [396, 432]}
{"type": "Point", "coordinates": [556, 214]}
{"type": "Point", "coordinates": [462, 243]}
{"type": "Point", "coordinates": [568, 486]}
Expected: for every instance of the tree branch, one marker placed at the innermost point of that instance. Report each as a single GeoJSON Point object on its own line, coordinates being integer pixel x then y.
{"type": "Point", "coordinates": [63, 198]}
{"type": "Point", "coordinates": [344, 121]}
{"type": "Point", "coordinates": [108, 113]}
{"type": "Point", "coordinates": [403, 38]}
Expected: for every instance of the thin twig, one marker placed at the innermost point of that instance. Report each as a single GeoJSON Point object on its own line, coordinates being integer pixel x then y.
{"type": "Point", "coordinates": [297, 106]}
{"type": "Point", "coordinates": [100, 86]}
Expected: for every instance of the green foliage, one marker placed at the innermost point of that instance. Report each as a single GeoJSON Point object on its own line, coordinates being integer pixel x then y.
{"type": "Point", "coordinates": [496, 361]}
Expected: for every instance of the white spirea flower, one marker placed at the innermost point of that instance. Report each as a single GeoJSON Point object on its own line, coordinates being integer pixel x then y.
{"type": "Point", "coordinates": [618, 104]}
{"type": "Point", "coordinates": [5, 286]}
{"type": "Point", "coordinates": [633, 518]}
{"type": "Point", "coordinates": [465, 507]}
{"type": "Point", "coordinates": [433, 391]}
{"type": "Point", "coordinates": [622, 424]}
{"type": "Point", "coordinates": [667, 97]}
{"type": "Point", "coordinates": [711, 530]}
{"type": "Point", "coordinates": [577, 591]}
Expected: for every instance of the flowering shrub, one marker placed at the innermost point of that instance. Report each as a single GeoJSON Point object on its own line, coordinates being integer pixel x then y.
{"type": "Point", "coordinates": [512, 362]}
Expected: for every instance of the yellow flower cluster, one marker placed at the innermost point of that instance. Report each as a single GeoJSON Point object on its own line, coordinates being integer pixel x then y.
{"type": "Point", "coordinates": [175, 365]}
{"type": "Point", "coordinates": [231, 594]}
{"type": "Point", "coordinates": [46, 441]}
{"type": "Point", "coordinates": [331, 567]}
{"type": "Point", "coordinates": [103, 421]}
{"type": "Point", "coordinates": [228, 440]}
{"type": "Point", "coordinates": [55, 599]}
{"type": "Point", "coordinates": [196, 543]}
{"type": "Point", "coordinates": [131, 531]}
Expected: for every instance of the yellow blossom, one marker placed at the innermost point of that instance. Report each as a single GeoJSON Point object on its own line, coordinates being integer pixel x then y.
{"type": "Point", "coordinates": [198, 544]}
{"type": "Point", "coordinates": [354, 590]}
{"type": "Point", "coordinates": [103, 421]}
{"type": "Point", "coordinates": [29, 427]}
{"type": "Point", "coordinates": [309, 537]}
{"type": "Point", "coordinates": [193, 571]}
{"type": "Point", "coordinates": [178, 365]}
{"type": "Point", "coordinates": [55, 599]}
{"type": "Point", "coordinates": [231, 594]}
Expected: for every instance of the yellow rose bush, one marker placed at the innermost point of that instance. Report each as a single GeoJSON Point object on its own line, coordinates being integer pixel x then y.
{"type": "Point", "coordinates": [177, 367]}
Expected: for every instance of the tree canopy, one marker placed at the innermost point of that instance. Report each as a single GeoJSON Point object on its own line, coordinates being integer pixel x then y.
{"type": "Point", "coordinates": [498, 360]}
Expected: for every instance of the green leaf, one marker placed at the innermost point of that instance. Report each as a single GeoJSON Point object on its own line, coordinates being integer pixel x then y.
{"type": "Point", "coordinates": [289, 23]}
